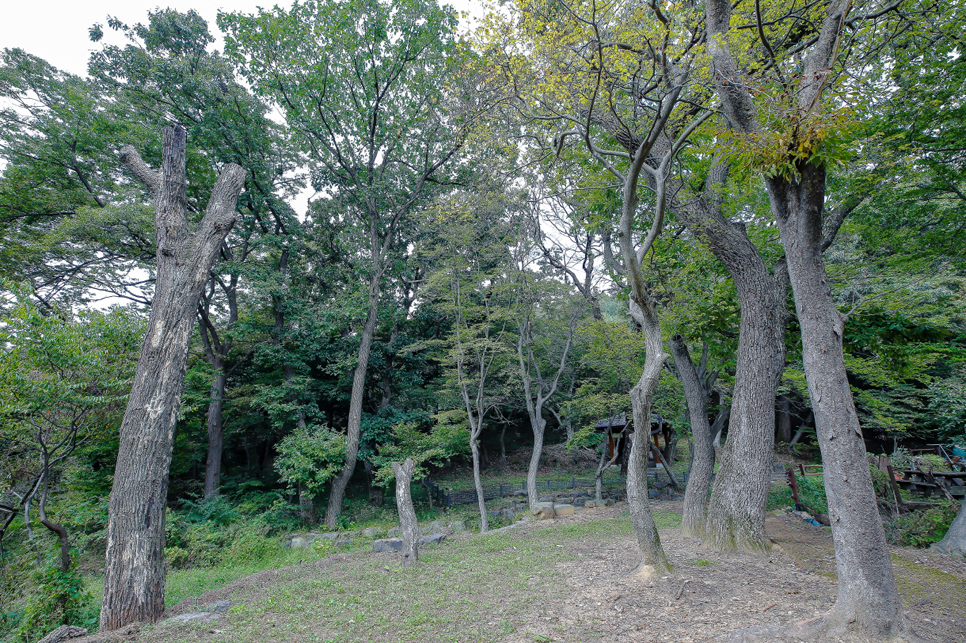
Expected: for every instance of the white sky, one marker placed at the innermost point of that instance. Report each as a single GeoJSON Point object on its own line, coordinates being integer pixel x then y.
{"type": "Point", "coordinates": [56, 30]}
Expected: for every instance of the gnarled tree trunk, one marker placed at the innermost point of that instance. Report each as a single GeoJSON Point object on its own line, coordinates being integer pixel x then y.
{"type": "Point", "coordinates": [653, 558]}
{"type": "Point", "coordinates": [134, 574]}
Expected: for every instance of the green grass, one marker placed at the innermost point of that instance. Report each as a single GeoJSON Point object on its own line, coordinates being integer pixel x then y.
{"type": "Point", "coordinates": [477, 588]}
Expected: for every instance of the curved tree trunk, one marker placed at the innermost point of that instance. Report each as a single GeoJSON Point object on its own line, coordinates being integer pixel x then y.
{"type": "Point", "coordinates": [867, 598]}
{"type": "Point", "coordinates": [653, 558]}
{"type": "Point", "coordinates": [478, 485]}
{"type": "Point", "coordinates": [407, 514]}
{"type": "Point", "coordinates": [354, 428]}
{"type": "Point", "coordinates": [134, 573]}
{"type": "Point", "coordinates": [538, 431]}
{"type": "Point", "coordinates": [695, 515]}
{"type": "Point", "coordinates": [954, 542]}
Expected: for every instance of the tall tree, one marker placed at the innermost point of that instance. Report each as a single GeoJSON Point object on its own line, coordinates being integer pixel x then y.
{"type": "Point", "coordinates": [63, 229]}
{"type": "Point", "coordinates": [555, 59]}
{"type": "Point", "coordinates": [167, 68]}
{"type": "Point", "coordinates": [358, 81]}
{"type": "Point", "coordinates": [794, 151]}
{"type": "Point", "coordinates": [135, 571]}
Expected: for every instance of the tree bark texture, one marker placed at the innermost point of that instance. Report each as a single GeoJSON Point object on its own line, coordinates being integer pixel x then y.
{"type": "Point", "coordinates": [134, 574]}
{"type": "Point", "coordinates": [867, 597]}
{"type": "Point", "coordinates": [736, 512]}
{"type": "Point", "coordinates": [736, 517]}
{"type": "Point", "coordinates": [216, 434]}
{"type": "Point", "coordinates": [354, 428]}
{"type": "Point", "coordinates": [954, 542]}
{"type": "Point", "coordinates": [867, 602]}
{"type": "Point", "coordinates": [407, 514]}
{"type": "Point", "coordinates": [653, 558]}
{"type": "Point", "coordinates": [695, 514]}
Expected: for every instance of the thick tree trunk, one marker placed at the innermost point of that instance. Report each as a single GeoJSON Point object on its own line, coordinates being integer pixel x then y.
{"type": "Point", "coordinates": [954, 542]}
{"type": "Point", "coordinates": [867, 599]}
{"type": "Point", "coordinates": [407, 514]}
{"type": "Point", "coordinates": [695, 516]}
{"type": "Point", "coordinates": [736, 517]}
{"type": "Point", "coordinates": [354, 428]}
{"type": "Point", "coordinates": [736, 512]}
{"type": "Point", "coordinates": [134, 573]}
{"type": "Point", "coordinates": [216, 436]}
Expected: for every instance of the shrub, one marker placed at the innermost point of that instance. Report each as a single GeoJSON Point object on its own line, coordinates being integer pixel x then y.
{"type": "Point", "coordinates": [921, 528]}
{"type": "Point", "coordinates": [60, 599]}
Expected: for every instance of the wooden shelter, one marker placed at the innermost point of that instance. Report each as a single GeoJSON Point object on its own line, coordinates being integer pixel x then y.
{"type": "Point", "coordinates": [619, 428]}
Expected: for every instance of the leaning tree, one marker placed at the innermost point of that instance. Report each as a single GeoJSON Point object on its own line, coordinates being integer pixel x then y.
{"type": "Point", "coordinates": [134, 575]}
{"type": "Point", "coordinates": [782, 122]}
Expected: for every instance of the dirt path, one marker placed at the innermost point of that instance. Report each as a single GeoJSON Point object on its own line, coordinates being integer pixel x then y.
{"type": "Point", "coordinates": [711, 594]}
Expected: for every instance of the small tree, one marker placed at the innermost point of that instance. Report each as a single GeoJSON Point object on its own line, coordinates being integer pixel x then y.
{"type": "Point", "coordinates": [416, 448]}
{"type": "Point", "coordinates": [63, 383]}
{"type": "Point", "coordinates": [308, 458]}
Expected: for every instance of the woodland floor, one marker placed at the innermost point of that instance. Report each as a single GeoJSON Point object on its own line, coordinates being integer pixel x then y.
{"type": "Point", "coordinates": [564, 580]}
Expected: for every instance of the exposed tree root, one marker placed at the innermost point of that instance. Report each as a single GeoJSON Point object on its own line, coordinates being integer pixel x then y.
{"type": "Point", "coordinates": [646, 571]}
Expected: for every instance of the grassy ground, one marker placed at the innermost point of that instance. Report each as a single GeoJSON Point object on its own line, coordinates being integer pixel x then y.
{"type": "Point", "coordinates": [472, 588]}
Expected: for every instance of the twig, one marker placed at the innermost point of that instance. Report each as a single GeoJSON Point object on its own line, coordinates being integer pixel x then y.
{"type": "Point", "coordinates": [769, 607]}
{"type": "Point", "coordinates": [681, 589]}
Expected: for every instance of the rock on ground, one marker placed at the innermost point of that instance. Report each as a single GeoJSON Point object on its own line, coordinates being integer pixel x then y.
{"type": "Point", "coordinates": [63, 633]}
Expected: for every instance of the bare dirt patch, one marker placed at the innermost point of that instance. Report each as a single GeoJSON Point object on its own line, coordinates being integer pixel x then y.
{"type": "Point", "coordinates": [565, 580]}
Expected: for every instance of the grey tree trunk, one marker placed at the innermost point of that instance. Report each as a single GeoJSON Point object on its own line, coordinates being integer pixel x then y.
{"type": "Point", "coordinates": [538, 431]}
{"type": "Point", "coordinates": [954, 542]}
{"type": "Point", "coordinates": [653, 558]}
{"type": "Point", "coordinates": [134, 573]}
{"type": "Point", "coordinates": [736, 516]}
{"type": "Point", "coordinates": [478, 485]}
{"type": "Point", "coordinates": [537, 392]}
{"type": "Point", "coordinates": [606, 460]}
{"type": "Point", "coordinates": [867, 598]}
{"type": "Point", "coordinates": [407, 514]}
{"type": "Point", "coordinates": [867, 602]}
{"type": "Point", "coordinates": [695, 516]}
{"type": "Point", "coordinates": [216, 434]}
{"type": "Point", "coordinates": [736, 512]}
{"type": "Point", "coordinates": [354, 428]}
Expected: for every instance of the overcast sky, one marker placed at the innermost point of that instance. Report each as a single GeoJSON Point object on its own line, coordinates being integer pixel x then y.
{"type": "Point", "coordinates": [56, 30]}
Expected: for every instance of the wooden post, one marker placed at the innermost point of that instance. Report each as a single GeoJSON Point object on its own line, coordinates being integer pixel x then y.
{"type": "Point", "coordinates": [900, 506]}
{"type": "Point", "coordinates": [793, 483]}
